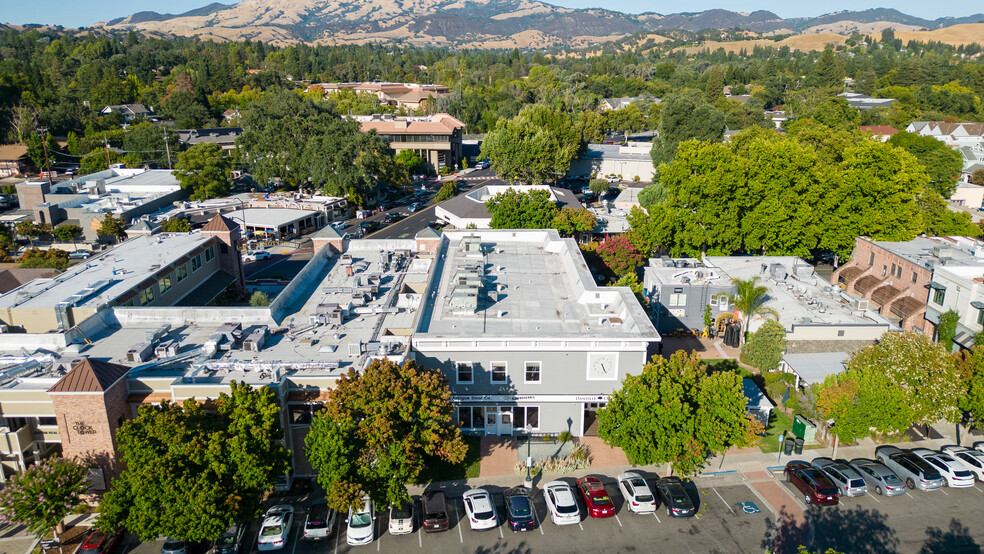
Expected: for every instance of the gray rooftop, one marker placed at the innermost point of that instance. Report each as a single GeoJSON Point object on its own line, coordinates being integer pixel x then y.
{"type": "Point", "coordinates": [617, 152]}
{"type": "Point", "coordinates": [931, 252]}
{"type": "Point", "coordinates": [816, 366]}
{"type": "Point", "coordinates": [268, 217]}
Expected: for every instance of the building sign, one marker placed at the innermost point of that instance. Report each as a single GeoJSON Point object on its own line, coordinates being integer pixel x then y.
{"type": "Point", "coordinates": [81, 428]}
{"type": "Point", "coordinates": [460, 398]}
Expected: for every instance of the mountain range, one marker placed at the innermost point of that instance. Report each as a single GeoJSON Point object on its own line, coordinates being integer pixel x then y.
{"type": "Point", "coordinates": [483, 23]}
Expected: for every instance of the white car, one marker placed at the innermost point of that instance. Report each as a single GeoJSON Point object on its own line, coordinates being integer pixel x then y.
{"type": "Point", "coordinates": [480, 510]}
{"type": "Point", "coordinates": [979, 446]}
{"type": "Point", "coordinates": [401, 519]}
{"type": "Point", "coordinates": [339, 225]}
{"type": "Point", "coordinates": [954, 473]}
{"type": "Point", "coordinates": [638, 497]}
{"type": "Point", "coordinates": [361, 524]}
{"type": "Point", "coordinates": [256, 255]}
{"type": "Point", "coordinates": [413, 207]}
{"type": "Point", "coordinates": [972, 459]}
{"type": "Point", "coordinates": [275, 529]}
{"type": "Point", "coordinates": [561, 503]}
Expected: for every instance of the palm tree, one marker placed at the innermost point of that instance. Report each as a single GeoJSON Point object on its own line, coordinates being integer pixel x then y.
{"type": "Point", "coordinates": [749, 298]}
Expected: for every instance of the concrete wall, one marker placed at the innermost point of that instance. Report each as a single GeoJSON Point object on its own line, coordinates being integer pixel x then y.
{"type": "Point", "coordinates": [313, 273]}
{"type": "Point", "coordinates": [148, 316]}
{"type": "Point", "coordinates": [833, 331]}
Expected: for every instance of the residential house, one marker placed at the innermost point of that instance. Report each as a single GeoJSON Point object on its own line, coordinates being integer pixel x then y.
{"type": "Point", "coordinates": [128, 111]}
{"type": "Point", "coordinates": [13, 160]}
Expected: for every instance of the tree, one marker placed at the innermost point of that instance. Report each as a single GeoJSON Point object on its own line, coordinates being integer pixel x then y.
{"type": "Point", "coordinates": [144, 143]}
{"type": "Point", "coordinates": [749, 299]}
{"type": "Point", "coordinates": [217, 462]}
{"type": "Point", "coordinates": [765, 346]}
{"type": "Point", "coordinates": [946, 331]}
{"type": "Point", "coordinates": [521, 210]}
{"type": "Point", "coordinates": [620, 255]}
{"type": "Point", "coordinates": [714, 90]}
{"type": "Point", "coordinates": [449, 189]}
{"type": "Point", "coordinates": [176, 225]}
{"type": "Point", "coordinates": [42, 495]}
{"type": "Point", "coordinates": [977, 177]}
{"type": "Point", "coordinates": [52, 257]}
{"type": "Point", "coordinates": [27, 228]}
{"type": "Point", "coordinates": [904, 379]}
{"type": "Point", "coordinates": [942, 163]}
{"type": "Point", "coordinates": [598, 186]}
{"type": "Point", "coordinates": [68, 233]}
{"type": "Point", "coordinates": [676, 412]}
{"type": "Point", "coordinates": [113, 226]}
{"type": "Point", "coordinates": [971, 367]}
{"type": "Point", "coordinates": [574, 221]}
{"type": "Point", "coordinates": [380, 427]}
{"type": "Point", "coordinates": [409, 160]}
{"type": "Point", "coordinates": [685, 116]}
{"type": "Point", "coordinates": [537, 145]}
{"type": "Point", "coordinates": [205, 170]}
{"type": "Point", "coordinates": [259, 299]}
{"type": "Point", "coordinates": [826, 73]}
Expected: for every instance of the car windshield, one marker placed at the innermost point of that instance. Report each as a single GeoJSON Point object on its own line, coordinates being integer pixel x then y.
{"type": "Point", "coordinates": [644, 498]}
{"type": "Point", "coordinates": [891, 479]}
{"type": "Point", "coordinates": [932, 476]}
{"type": "Point", "coordinates": [271, 531]}
{"type": "Point", "coordinates": [226, 540]}
{"type": "Point", "coordinates": [856, 483]}
{"type": "Point", "coordinates": [360, 520]}
{"type": "Point", "coordinates": [171, 544]}
{"type": "Point", "coordinates": [402, 512]}
{"type": "Point", "coordinates": [519, 506]}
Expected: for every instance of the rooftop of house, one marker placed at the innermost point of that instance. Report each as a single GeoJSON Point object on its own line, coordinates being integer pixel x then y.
{"type": "Point", "coordinates": [932, 252]}
{"type": "Point", "coordinates": [437, 124]}
{"type": "Point", "coordinates": [508, 284]}
{"type": "Point", "coordinates": [863, 101]}
{"type": "Point", "coordinates": [618, 152]}
{"type": "Point", "coordinates": [268, 217]}
{"type": "Point", "coordinates": [116, 189]}
{"type": "Point", "coordinates": [103, 278]}
{"type": "Point", "coordinates": [471, 205]}
{"type": "Point", "coordinates": [217, 135]}
{"type": "Point", "coordinates": [814, 367]}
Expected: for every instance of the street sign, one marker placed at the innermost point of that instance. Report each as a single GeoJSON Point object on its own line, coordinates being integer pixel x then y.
{"type": "Point", "coordinates": [50, 544]}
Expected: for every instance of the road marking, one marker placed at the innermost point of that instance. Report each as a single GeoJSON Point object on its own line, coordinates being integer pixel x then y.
{"type": "Point", "coordinates": [420, 536]}
{"type": "Point", "coordinates": [762, 498]}
{"type": "Point", "coordinates": [657, 518]}
{"type": "Point", "coordinates": [536, 518]}
{"type": "Point", "coordinates": [909, 495]}
{"type": "Point", "coordinates": [501, 536]}
{"type": "Point", "coordinates": [461, 537]}
{"type": "Point", "coordinates": [618, 520]}
{"type": "Point", "coordinates": [978, 488]}
{"type": "Point", "coordinates": [379, 541]}
{"type": "Point", "coordinates": [722, 501]}
{"type": "Point", "coordinates": [873, 498]}
{"type": "Point", "coordinates": [337, 534]}
{"type": "Point", "coordinates": [581, 526]}
{"type": "Point", "coordinates": [944, 492]}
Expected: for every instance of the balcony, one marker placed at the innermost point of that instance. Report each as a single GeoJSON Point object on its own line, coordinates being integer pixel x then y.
{"type": "Point", "coordinates": [15, 442]}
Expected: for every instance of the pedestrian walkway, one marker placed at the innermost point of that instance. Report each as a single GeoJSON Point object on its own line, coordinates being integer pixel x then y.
{"type": "Point", "coordinates": [499, 456]}
{"type": "Point", "coordinates": [603, 455]}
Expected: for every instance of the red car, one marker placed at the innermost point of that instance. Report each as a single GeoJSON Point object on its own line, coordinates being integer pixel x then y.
{"type": "Point", "coordinates": [97, 542]}
{"type": "Point", "coordinates": [814, 485]}
{"type": "Point", "coordinates": [595, 497]}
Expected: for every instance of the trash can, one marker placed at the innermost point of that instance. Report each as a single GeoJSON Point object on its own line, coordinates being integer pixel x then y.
{"type": "Point", "coordinates": [787, 446]}
{"type": "Point", "coordinates": [799, 446]}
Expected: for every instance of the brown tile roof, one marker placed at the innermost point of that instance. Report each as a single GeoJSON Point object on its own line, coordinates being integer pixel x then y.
{"type": "Point", "coordinates": [90, 376]}
{"type": "Point", "coordinates": [10, 279]}
{"type": "Point", "coordinates": [12, 151]}
{"type": "Point", "coordinates": [221, 224]}
{"type": "Point", "coordinates": [437, 124]}
{"type": "Point", "coordinates": [879, 129]}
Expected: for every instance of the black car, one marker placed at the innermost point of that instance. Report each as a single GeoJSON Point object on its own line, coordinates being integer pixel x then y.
{"type": "Point", "coordinates": [229, 542]}
{"type": "Point", "coordinates": [391, 217]}
{"type": "Point", "coordinates": [519, 509]}
{"type": "Point", "coordinates": [674, 496]}
{"type": "Point", "coordinates": [368, 226]}
{"type": "Point", "coordinates": [589, 197]}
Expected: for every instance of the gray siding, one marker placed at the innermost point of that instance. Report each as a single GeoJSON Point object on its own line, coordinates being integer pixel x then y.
{"type": "Point", "coordinates": [668, 318]}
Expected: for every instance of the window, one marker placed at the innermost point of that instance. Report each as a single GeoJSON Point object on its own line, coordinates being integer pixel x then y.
{"type": "Point", "coordinates": [464, 372]}
{"type": "Point", "coordinates": [714, 301]}
{"type": "Point", "coordinates": [147, 295]}
{"type": "Point", "coordinates": [532, 374]}
{"type": "Point", "coordinates": [938, 295]}
{"type": "Point", "coordinates": [914, 276]}
{"type": "Point", "coordinates": [181, 272]}
{"type": "Point", "coordinates": [526, 414]}
{"type": "Point", "coordinates": [871, 259]}
{"type": "Point", "coordinates": [472, 417]}
{"type": "Point", "coordinates": [196, 263]}
{"type": "Point", "coordinates": [893, 270]}
{"type": "Point", "coordinates": [209, 254]}
{"type": "Point", "coordinates": [884, 270]}
{"type": "Point", "coordinates": [464, 416]}
{"type": "Point", "coordinates": [898, 273]}
{"type": "Point", "coordinates": [723, 302]}
{"type": "Point", "coordinates": [128, 302]}
{"type": "Point", "coordinates": [980, 317]}
{"type": "Point", "coordinates": [840, 333]}
{"type": "Point", "coordinates": [302, 414]}
{"type": "Point", "coordinates": [164, 283]}
{"type": "Point", "coordinates": [678, 299]}
{"type": "Point", "coordinates": [498, 372]}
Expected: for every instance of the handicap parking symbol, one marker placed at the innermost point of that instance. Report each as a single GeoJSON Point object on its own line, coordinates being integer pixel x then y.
{"type": "Point", "coordinates": [749, 507]}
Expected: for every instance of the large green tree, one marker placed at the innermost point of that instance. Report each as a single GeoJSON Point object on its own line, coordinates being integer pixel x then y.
{"type": "Point", "coordinates": [513, 209]}
{"type": "Point", "coordinates": [68, 233]}
{"type": "Point", "coordinates": [676, 412]}
{"type": "Point", "coordinates": [574, 221]}
{"type": "Point", "coordinates": [537, 145]}
{"type": "Point", "coordinates": [380, 427]}
{"type": "Point", "coordinates": [204, 170]}
{"type": "Point", "coordinates": [765, 346]}
{"type": "Point", "coordinates": [41, 496]}
{"type": "Point", "coordinates": [685, 116]}
{"type": "Point", "coordinates": [942, 163]}
{"type": "Point", "coordinates": [191, 472]}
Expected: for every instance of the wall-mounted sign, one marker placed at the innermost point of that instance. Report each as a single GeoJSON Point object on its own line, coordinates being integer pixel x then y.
{"type": "Point", "coordinates": [81, 428]}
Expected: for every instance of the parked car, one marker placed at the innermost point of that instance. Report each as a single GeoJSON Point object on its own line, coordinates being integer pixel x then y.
{"type": "Point", "coordinates": [519, 509]}
{"type": "Point", "coordinates": [972, 459]}
{"type": "Point", "coordinates": [814, 485]}
{"type": "Point", "coordinates": [589, 197]}
{"type": "Point", "coordinates": [912, 469]}
{"type": "Point", "coordinates": [435, 512]}
{"type": "Point", "coordinates": [413, 207]}
{"type": "Point", "coordinates": [401, 519]}
{"type": "Point", "coordinates": [979, 446]}
{"type": "Point", "coordinates": [391, 217]}
{"type": "Point", "coordinates": [955, 474]}
{"type": "Point", "coordinates": [230, 542]}
{"type": "Point", "coordinates": [348, 236]}
{"type": "Point", "coordinates": [878, 476]}
{"type": "Point", "coordinates": [480, 510]}
{"type": "Point", "coordinates": [319, 522]}
{"type": "Point", "coordinates": [79, 255]}
{"type": "Point", "coordinates": [674, 496]}
{"type": "Point", "coordinates": [256, 255]}
{"type": "Point", "coordinates": [638, 497]}
{"type": "Point", "coordinates": [361, 525]}
{"type": "Point", "coordinates": [174, 546]}
{"type": "Point", "coordinates": [97, 542]}
{"type": "Point", "coordinates": [561, 503]}
{"type": "Point", "coordinates": [368, 226]}
{"type": "Point", "coordinates": [595, 497]}
{"type": "Point", "coordinates": [848, 481]}
{"type": "Point", "coordinates": [339, 225]}
{"type": "Point", "coordinates": [275, 528]}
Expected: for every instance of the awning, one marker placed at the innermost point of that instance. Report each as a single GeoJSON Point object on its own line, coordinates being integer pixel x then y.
{"type": "Point", "coordinates": [906, 306]}
{"type": "Point", "coordinates": [884, 293]}
{"type": "Point", "coordinates": [964, 339]}
{"type": "Point", "coordinates": [977, 304]}
{"type": "Point", "coordinates": [866, 283]}
{"type": "Point", "coordinates": [936, 286]}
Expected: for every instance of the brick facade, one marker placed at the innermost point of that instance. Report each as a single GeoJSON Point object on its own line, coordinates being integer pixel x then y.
{"type": "Point", "coordinates": [87, 423]}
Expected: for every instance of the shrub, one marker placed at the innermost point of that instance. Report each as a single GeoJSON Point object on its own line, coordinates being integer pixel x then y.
{"type": "Point", "coordinates": [765, 347]}
{"type": "Point", "coordinates": [259, 299]}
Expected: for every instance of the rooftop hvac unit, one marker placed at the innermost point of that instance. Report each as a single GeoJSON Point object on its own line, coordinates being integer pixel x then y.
{"type": "Point", "coordinates": [859, 303]}
{"type": "Point", "coordinates": [167, 349]}
{"type": "Point", "coordinates": [139, 352]}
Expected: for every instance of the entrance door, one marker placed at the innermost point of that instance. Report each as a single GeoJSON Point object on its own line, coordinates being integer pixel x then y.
{"type": "Point", "coordinates": [498, 421]}
{"type": "Point", "coordinates": [591, 417]}
{"type": "Point", "coordinates": [505, 422]}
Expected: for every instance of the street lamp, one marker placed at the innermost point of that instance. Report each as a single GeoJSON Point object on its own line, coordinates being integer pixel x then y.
{"type": "Point", "coordinates": [529, 456]}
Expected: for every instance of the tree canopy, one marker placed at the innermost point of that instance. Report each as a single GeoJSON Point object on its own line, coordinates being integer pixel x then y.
{"type": "Point", "coordinates": [685, 116]}
{"type": "Point", "coordinates": [42, 495]}
{"type": "Point", "coordinates": [518, 209]}
{"type": "Point", "coordinates": [379, 428]}
{"type": "Point", "coordinates": [765, 346]}
{"type": "Point", "coordinates": [942, 163]}
{"type": "Point", "coordinates": [537, 145]}
{"type": "Point", "coordinates": [205, 170]}
{"type": "Point", "coordinates": [676, 412]}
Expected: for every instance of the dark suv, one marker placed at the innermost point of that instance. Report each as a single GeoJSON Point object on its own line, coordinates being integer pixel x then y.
{"type": "Point", "coordinates": [519, 509]}
{"type": "Point", "coordinates": [815, 486]}
{"type": "Point", "coordinates": [435, 512]}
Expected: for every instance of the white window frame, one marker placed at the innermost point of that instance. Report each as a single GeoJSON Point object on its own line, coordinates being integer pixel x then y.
{"type": "Point", "coordinates": [505, 367]}
{"type": "Point", "coordinates": [539, 372]}
{"type": "Point", "coordinates": [457, 373]}
{"type": "Point", "coordinates": [526, 407]}
{"type": "Point", "coordinates": [678, 299]}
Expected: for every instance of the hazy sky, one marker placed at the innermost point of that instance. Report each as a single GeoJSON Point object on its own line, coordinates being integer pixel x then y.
{"type": "Point", "coordinates": [73, 13]}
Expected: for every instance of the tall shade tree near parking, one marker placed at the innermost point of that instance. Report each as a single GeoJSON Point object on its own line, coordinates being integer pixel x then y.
{"type": "Point", "coordinates": [537, 145]}
{"type": "Point", "coordinates": [113, 226]}
{"type": "Point", "coordinates": [191, 472]}
{"type": "Point", "coordinates": [41, 496]}
{"type": "Point", "coordinates": [574, 221]}
{"type": "Point", "coordinates": [176, 225]}
{"type": "Point", "coordinates": [380, 427]}
{"type": "Point", "coordinates": [971, 367]}
{"type": "Point", "coordinates": [676, 412]}
{"type": "Point", "coordinates": [204, 170]}
{"type": "Point", "coordinates": [521, 210]}
{"type": "Point", "coordinates": [749, 300]}
{"type": "Point", "coordinates": [68, 233]}
{"type": "Point", "coordinates": [904, 379]}
{"type": "Point", "coordinates": [765, 346]}
{"type": "Point", "coordinates": [449, 189]}
{"type": "Point", "coordinates": [685, 116]}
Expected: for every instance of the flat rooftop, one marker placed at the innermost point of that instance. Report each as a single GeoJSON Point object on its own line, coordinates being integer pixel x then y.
{"type": "Point", "coordinates": [268, 217]}
{"type": "Point", "coordinates": [107, 276]}
{"type": "Point", "coordinates": [533, 284]}
{"type": "Point", "coordinates": [931, 252]}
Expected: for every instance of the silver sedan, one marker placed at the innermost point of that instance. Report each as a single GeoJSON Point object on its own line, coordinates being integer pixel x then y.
{"type": "Point", "coordinates": [878, 477]}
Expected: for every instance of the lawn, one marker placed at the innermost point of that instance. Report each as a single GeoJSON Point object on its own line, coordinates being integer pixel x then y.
{"type": "Point", "coordinates": [779, 423]}
{"type": "Point", "coordinates": [467, 469]}
{"type": "Point", "coordinates": [727, 364]}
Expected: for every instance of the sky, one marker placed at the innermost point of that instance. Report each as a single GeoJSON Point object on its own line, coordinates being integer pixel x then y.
{"type": "Point", "coordinates": [75, 13]}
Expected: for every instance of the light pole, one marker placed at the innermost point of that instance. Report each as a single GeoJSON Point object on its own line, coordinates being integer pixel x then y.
{"type": "Point", "coordinates": [529, 456]}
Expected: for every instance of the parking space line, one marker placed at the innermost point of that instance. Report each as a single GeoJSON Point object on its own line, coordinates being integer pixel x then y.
{"type": "Point", "coordinates": [337, 533]}
{"type": "Point", "coordinates": [909, 495]}
{"type": "Point", "coordinates": [657, 518]}
{"type": "Point", "coordinates": [944, 492]}
{"type": "Point", "coordinates": [536, 517]}
{"type": "Point", "coordinates": [873, 498]}
{"type": "Point", "coordinates": [461, 537]}
{"type": "Point", "coordinates": [379, 541]}
{"type": "Point", "coordinates": [978, 488]}
{"type": "Point", "coordinates": [762, 499]}
{"type": "Point", "coordinates": [501, 536]}
{"type": "Point", "coordinates": [581, 526]}
{"type": "Point", "coordinates": [618, 520]}
{"type": "Point", "coordinates": [726, 505]}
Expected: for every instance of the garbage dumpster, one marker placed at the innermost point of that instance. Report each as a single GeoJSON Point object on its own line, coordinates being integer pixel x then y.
{"type": "Point", "coordinates": [799, 446]}
{"type": "Point", "coordinates": [787, 446]}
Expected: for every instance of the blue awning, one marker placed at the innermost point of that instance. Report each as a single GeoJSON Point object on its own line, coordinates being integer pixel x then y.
{"type": "Point", "coordinates": [936, 286]}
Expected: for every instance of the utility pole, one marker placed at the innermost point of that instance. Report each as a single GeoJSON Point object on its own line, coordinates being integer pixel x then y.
{"type": "Point", "coordinates": [44, 144]}
{"type": "Point", "coordinates": [168, 148]}
{"type": "Point", "coordinates": [106, 143]}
